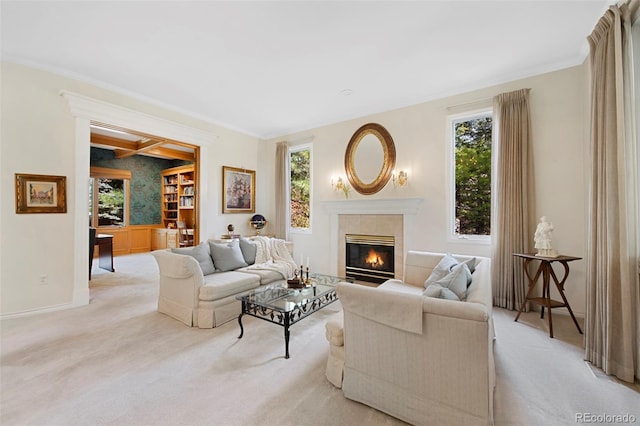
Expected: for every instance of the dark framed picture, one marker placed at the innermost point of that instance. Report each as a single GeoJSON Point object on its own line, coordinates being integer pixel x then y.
{"type": "Point", "coordinates": [238, 190]}
{"type": "Point", "coordinates": [41, 193]}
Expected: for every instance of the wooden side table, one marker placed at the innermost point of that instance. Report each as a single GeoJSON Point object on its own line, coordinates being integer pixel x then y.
{"type": "Point", "coordinates": [546, 270]}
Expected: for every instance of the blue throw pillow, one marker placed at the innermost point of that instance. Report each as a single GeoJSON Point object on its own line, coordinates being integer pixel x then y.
{"type": "Point", "coordinates": [441, 270]}
{"type": "Point", "coordinates": [433, 290]}
{"type": "Point", "coordinates": [445, 293]}
{"type": "Point", "coordinates": [248, 249]}
{"type": "Point", "coordinates": [199, 253]}
{"type": "Point", "coordinates": [457, 280]}
{"type": "Point", "coordinates": [227, 256]}
{"type": "Point", "coordinates": [471, 263]}
{"type": "Point", "coordinates": [436, 290]}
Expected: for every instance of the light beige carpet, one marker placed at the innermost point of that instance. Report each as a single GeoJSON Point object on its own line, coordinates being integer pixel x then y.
{"type": "Point", "coordinates": [118, 361]}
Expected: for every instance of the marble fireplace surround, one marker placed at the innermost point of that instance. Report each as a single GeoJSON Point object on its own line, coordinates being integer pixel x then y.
{"type": "Point", "coordinates": [394, 217]}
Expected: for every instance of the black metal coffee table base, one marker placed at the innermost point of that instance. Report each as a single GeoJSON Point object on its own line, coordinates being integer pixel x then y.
{"type": "Point", "coordinates": [284, 317]}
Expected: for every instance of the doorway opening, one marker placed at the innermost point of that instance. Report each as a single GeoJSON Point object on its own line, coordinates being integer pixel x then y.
{"type": "Point", "coordinates": [137, 209]}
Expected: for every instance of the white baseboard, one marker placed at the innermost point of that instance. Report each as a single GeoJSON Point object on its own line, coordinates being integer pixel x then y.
{"type": "Point", "coordinates": [39, 311]}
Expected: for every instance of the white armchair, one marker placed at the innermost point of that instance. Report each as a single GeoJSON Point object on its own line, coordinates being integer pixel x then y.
{"type": "Point", "coordinates": [421, 359]}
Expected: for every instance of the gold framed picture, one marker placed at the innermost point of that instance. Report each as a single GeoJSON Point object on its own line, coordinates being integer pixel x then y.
{"type": "Point", "coordinates": [238, 190]}
{"type": "Point", "coordinates": [41, 193]}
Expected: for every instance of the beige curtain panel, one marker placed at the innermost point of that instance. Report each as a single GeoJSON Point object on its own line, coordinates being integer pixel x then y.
{"type": "Point", "coordinates": [611, 319]}
{"type": "Point", "coordinates": [512, 222]}
{"type": "Point", "coordinates": [280, 221]}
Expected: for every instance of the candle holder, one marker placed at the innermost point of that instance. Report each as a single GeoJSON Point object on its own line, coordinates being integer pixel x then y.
{"type": "Point", "coordinates": [307, 281]}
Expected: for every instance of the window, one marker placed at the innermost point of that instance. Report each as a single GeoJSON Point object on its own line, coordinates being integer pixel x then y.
{"type": "Point", "coordinates": [111, 205]}
{"type": "Point", "coordinates": [471, 175]}
{"type": "Point", "coordinates": [109, 197]}
{"type": "Point", "coordinates": [300, 188]}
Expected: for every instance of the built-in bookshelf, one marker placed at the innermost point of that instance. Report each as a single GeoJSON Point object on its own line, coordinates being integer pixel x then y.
{"type": "Point", "coordinates": [178, 196]}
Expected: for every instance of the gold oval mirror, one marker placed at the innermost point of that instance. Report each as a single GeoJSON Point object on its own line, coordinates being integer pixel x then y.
{"type": "Point", "coordinates": [370, 158]}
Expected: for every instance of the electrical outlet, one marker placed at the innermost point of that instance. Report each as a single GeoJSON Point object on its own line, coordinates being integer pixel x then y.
{"type": "Point", "coordinates": [43, 279]}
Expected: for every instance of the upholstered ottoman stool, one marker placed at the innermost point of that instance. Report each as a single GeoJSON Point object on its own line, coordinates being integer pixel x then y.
{"type": "Point", "coordinates": [335, 362]}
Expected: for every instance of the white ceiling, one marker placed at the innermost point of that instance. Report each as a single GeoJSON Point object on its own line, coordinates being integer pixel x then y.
{"type": "Point", "coordinates": [272, 68]}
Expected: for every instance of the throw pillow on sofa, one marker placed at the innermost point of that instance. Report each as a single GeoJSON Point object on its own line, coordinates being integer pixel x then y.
{"type": "Point", "coordinates": [436, 290]}
{"type": "Point", "coordinates": [227, 256]}
{"type": "Point", "coordinates": [455, 282]}
{"type": "Point", "coordinates": [471, 263]}
{"type": "Point", "coordinates": [441, 270]}
{"type": "Point", "coordinates": [248, 249]}
{"type": "Point", "coordinates": [201, 254]}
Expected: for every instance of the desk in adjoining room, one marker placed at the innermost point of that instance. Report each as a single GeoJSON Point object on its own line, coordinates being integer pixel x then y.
{"type": "Point", "coordinates": [105, 251]}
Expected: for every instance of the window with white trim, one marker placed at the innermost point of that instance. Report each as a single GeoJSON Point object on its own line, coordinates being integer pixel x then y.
{"type": "Point", "coordinates": [299, 188]}
{"type": "Point", "coordinates": [109, 197]}
{"type": "Point", "coordinates": [471, 164]}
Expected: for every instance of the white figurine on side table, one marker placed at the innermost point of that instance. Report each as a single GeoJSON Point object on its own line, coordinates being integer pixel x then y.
{"type": "Point", "coordinates": [542, 238]}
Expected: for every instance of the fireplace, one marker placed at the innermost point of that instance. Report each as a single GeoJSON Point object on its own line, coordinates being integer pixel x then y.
{"type": "Point", "coordinates": [370, 258]}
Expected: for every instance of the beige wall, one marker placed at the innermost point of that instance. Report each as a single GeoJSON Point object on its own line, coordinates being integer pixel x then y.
{"type": "Point", "coordinates": [39, 136]}
{"type": "Point", "coordinates": [558, 109]}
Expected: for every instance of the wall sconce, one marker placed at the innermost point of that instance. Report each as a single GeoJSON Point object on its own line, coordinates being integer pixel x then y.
{"type": "Point", "coordinates": [340, 185]}
{"type": "Point", "coordinates": [400, 178]}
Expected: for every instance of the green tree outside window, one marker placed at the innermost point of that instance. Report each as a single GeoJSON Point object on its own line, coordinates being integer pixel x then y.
{"type": "Point", "coordinates": [300, 188]}
{"type": "Point", "coordinates": [473, 176]}
{"type": "Point", "coordinates": [111, 202]}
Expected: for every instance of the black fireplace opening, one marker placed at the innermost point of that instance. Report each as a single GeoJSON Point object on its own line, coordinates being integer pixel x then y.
{"type": "Point", "coordinates": [370, 258]}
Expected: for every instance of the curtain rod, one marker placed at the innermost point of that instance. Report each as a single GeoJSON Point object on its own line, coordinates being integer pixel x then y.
{"type": "Point", "coordinates": [484, 101]}
{"type": "Point", "coordinates": [299, 141]}
{"type": "Point", "coordinates": [477, 101]}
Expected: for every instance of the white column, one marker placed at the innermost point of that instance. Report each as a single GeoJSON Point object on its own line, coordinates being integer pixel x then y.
{"type": "Point", "coordinates": [81, 215]}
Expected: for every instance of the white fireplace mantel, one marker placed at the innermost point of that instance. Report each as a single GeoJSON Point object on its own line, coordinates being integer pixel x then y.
{"type": "Point", "coordinates": [407, 207]}
{"type": "Point", "coordinates": [377, 206]}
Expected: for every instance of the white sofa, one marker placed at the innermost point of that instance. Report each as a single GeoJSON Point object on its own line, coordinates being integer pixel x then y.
{"type": "Point", "coordinates": [421, 359]}
{"type": "Point", "coordinates": [208, 300]}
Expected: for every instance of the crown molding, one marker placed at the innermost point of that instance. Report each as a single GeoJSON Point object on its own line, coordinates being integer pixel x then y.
{"type": "Point", "coordinates": [96, 110]}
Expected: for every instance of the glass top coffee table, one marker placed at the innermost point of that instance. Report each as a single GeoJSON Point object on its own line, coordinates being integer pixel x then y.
{"type": "Point", "coordinates": [286, 306]}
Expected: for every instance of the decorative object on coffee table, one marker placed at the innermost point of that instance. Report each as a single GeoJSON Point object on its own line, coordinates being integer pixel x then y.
{"type": "Point", "coordinates": [295, 282]}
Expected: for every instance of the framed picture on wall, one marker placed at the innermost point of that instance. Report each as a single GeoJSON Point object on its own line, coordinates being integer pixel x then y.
{"type": "Point", "coordinates": [238, 190]}
{"type": "Point", "coordinates": [40, 193]}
